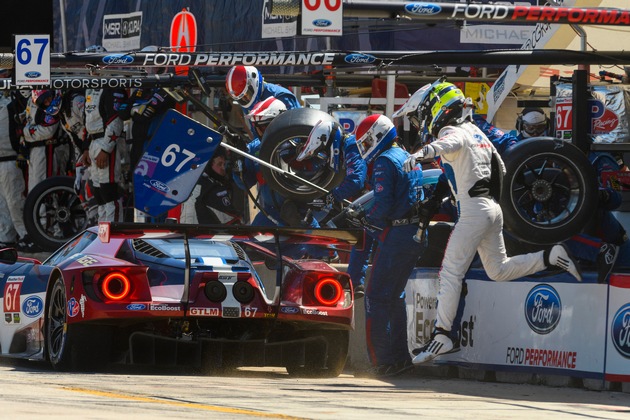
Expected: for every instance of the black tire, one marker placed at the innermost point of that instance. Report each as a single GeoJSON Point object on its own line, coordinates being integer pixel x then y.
{"type": "Point", "coordinates": [280, 146]}
{"type": "Point", "coordinates": [549, 192]}
{"type": "Point", "coordinates": [53, 213]}
{"type": "Point", "coordinates": [71, 347]}
{"type": "Point", "coordinates": [323, 358]}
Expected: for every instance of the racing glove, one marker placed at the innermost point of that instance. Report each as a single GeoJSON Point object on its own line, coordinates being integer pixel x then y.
{"type": "Point", "coordinates": [426, 210]}
{"type": "Point", "coordinates": [426, 153]}
{"type": "Point", "coordinates": [78, 177]}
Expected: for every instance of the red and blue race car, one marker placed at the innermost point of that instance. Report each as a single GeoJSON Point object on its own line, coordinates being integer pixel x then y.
{"type": "Point", "coordinates": [208, 297]}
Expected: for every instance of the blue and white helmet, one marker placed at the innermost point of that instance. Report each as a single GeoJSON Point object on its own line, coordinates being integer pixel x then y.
{"type": "Point", "coordinates": [410, 108]}
{"type": "Point", "coordinates": [325, 134]}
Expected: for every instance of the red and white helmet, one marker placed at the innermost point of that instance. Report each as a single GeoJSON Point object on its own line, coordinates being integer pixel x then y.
{"type": "Point", "coordinates": [244, 84]}
{"type": "Point", "coordinates": [374, 134]}
{"type": "Point", "coordinates": [264, 111]}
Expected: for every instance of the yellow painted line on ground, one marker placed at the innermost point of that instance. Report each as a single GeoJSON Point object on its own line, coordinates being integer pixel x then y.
{"type": "Point", "coordinates": [196, 406]}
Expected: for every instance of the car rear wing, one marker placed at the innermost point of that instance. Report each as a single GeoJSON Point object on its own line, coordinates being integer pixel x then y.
{"type": "Point", "coordinates": [260, 234]}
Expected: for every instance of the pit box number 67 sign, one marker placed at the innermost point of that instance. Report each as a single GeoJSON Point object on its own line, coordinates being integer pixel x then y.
{"type": "Point", "coordinates": [32, 60]}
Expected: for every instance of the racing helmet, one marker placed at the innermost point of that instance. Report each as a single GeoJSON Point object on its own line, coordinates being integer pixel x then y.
{"type": "Point", "coordinates": [95, 49]}
{"type": "Point", "coordinates": [532, 122]}
{"type": "Point", "coordinates": [409, 109]}
{"type": "Point", "coordinates": [325, 134]}
{"type": "Point", "coordinates": [264, 111]}
{"type": "Point", "coordinates": [374, 134]}
{"type": "Point", "coordinates": [47, 100]}
{"type": "Point", "coordinates": [443, 104]}
{"type": "Point", "coordinates": [244, 84]}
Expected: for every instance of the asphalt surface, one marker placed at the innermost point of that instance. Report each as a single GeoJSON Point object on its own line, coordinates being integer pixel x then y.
{"type": "Point", "coordinates": [33, 390]}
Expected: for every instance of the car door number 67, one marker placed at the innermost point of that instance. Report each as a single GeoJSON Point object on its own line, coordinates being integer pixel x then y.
{"type": "Point", "coordinates": [170, 156]}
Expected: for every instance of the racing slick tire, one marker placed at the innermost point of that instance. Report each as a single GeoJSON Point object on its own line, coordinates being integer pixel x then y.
{"type": "Point", "coordinates": [281, 144]}
{"type": "Point", "coordinates": [324, 358]}
{"type": "Point", "coordinates": [72, 347]}
{"type": "Point", "coordinates": [53, 213]}
{"type": "Point", "coordinates": [549, 191]}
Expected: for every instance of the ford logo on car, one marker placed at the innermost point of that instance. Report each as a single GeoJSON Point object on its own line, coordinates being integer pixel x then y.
{"type": "Point", "coordinates": [359, 59]}
{"type": "Point", "coordinates": [159, 185]}
{"type": "Point", "coordinates": [543, 308]}
{"type": "Point", "coordinates": [136, 307]}
{"type": "Point", "coordinates": [422, 9]}
{"type": "Point", "coordinates": [620, 331]}
{"type": "Point", "coordinates": [33, 306]}
{"type": "Point", "coordinates": [118, 59]}
{"type": "Point", "coordinates": [289, 310]}
{"type": "Point", "coordinates": [32, 74]}
{"type": "Point", "coordinates": [322, 22]}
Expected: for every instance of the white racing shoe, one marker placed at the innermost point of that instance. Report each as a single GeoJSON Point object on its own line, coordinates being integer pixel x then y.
{"type": "Point", "coordinates": [440, 344]}
{"type": "Point", "coordinates": [560, 256]}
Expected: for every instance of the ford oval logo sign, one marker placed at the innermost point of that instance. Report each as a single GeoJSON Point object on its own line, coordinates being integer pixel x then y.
{"type": "Point", "coordinates": [543, 309]}
{"type": "Point", "coordinates": [33, 306]}
{"type": "Point", "coordinates": [290, 310]}
{"type": "Point", "coordinates": [620, 331]}
{"type": "Point", "coordinates": [359, 59]}
{"type": "Point", "coordinates": [136, 306]}
{"type": "Point", "coordinates": [159, 185]}
{"type": "Point", "coordinates": [118, 59]}
{"type": "Point", "coordinates": [422, 9]}
{"type": "Point", "coordinates": [322, 23]}
{"type": "Point", "coordinates": [32, 74]}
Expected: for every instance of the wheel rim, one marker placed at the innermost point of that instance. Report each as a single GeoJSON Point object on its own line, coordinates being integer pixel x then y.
{"type": "Point", "coordinates": [546, 191]}
{"type": "Point", "coordinates": [57, 323]}
{"type": "Point", "coordinates": [315, 170]}
{"type": "Point", "coordinates": [59, 214]}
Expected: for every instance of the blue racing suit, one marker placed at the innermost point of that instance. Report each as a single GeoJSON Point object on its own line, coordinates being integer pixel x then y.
{"type": "Point", "coordinates": [606, 228]}
{"type": "Point", "coordinates": [269, 201]}
{"type": "Point", "coordinates": [350, 188]}
{"type": "Point", "coordinates": [396, 193]}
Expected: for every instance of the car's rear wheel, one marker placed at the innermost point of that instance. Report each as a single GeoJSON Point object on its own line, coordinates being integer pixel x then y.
{"type": "Point", "coordinates": [281, 144]}
{"type": "Point", "coordinates": [72, 347]}
{"type": "Point", "coordinates": [53, 213]}
{"type": "Point", "coordinates": [549, 190]}
{"type": "Point", "coordinates": [322, 358]}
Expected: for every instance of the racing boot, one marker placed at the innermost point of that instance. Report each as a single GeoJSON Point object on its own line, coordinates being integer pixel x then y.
{"type": "Point", "coordinates": [606, 259]}
{"type": "Point", "coordinates": [560, 256]}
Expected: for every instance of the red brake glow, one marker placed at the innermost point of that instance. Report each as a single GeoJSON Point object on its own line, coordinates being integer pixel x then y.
{"type": "Point", "coordinates": [328, 291]}
{"type": "Point", "coordinates": [116, 286]}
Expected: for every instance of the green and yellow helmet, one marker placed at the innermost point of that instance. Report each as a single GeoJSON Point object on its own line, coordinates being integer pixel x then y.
{"type": "Point", "coordinates": [442, 105]}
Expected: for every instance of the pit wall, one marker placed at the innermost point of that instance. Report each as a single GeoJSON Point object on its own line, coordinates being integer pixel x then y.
{"type": "Point", "coordinates": [547, 330]}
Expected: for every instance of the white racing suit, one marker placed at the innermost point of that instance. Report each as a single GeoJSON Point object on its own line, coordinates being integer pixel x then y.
{"type": "Point", "coordinates": [104, 127]}
{"type": "Point", "coordinates": [40, 134]}
{"type": "Point", "coordinates": [466, 156]}
{"type": "Point", "coordinates": [12, 186]}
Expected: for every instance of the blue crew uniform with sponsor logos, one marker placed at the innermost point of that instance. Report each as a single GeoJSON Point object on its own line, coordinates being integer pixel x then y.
{"type": "Point", "coordinates": [396, 193]}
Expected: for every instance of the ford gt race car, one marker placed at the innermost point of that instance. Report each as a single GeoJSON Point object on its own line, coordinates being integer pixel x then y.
{"type": "Point", "coordinates": [171, 295]}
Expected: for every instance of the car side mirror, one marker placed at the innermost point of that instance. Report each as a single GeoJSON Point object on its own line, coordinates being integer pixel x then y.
{"type": "Point", "coordinates": [272, 263]}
